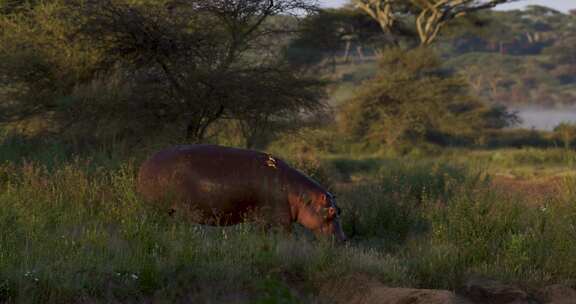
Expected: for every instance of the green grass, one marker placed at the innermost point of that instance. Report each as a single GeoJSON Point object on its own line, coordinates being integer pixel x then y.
{"type": "Point", "coordinates": [76, 231]}
{"type": "Point", "coordinates": [522, 163]}
{"type": "Point", "coordinates": [447, 225]}
{"type": "Point", "coordinates": [69, 235]}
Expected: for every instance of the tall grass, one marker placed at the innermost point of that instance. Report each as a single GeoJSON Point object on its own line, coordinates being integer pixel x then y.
{"type": "Point", "coordinates": [71, 233]}
{"type": "Point", "coordinates": [76, 231]}
{"type": "Point", "coordinates": [447, 225]}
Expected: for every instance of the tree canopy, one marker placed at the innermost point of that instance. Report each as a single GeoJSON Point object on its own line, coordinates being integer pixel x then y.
{"type": "Point", "coordinates": [430, 15]}
{"type": "Point", "coordinates": [412, 97]}
{"type": "Point", "coordinates": [184, 64]}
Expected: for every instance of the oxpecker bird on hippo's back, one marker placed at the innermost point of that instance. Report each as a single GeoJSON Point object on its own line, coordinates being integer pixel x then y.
{"type": "Point", "coordinates": [224, 186]}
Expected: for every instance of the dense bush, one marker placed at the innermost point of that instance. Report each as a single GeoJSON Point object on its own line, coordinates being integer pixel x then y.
{"type": "Point", "coordinates": [448, 225]}
{"type": "Point", "coordinates": [391, 206]}
{"type": "Point", "coordinates": [566, 133]}
{"type": "Point", "coordinates": [412, 97]}
{"type": "Point", "coordinates": [131, 69]}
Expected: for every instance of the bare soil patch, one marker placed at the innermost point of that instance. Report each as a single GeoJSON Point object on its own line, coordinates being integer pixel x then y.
{"type": "Point", "coordinates": [533, 191]}
{"type": "Point", "coordinates": [362, 289]}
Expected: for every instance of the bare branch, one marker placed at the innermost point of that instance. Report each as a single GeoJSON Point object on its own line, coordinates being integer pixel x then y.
{"type": "Point", "coordinates": [432, 15]}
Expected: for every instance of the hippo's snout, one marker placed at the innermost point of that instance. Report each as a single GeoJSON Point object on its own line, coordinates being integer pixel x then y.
{"type": "Point", "coordinates": [333, 229]}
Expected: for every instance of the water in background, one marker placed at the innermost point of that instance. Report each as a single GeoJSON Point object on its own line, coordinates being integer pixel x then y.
{"type": "Point", "coordinates": [545, 119]}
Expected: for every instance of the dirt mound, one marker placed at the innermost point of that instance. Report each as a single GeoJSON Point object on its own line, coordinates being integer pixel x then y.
{"type": "Point", "coordinates": [494, 292]}
{"type": "Point", "coordinates": [361, 289]}
{"type": "Point", "coordinates": [557, 294]}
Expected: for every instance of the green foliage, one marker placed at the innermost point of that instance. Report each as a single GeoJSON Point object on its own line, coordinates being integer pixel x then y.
{"type": "Point", "coordinates": [390, 207]}
{"type": "Point", "coordinates": [517, 138]}
{"type": "Point", "coordinates": [348, 167]}
{"type": "Point", "coordinates": [329, 32]}
{"type": "Point", "coordinates": [429, 181]}
{"type": "Point", "coordinates": [74, 233]}
{"type": "Point", "coordinates": [479, 235]}
{"type": "Point", "coordinates": [518, 57]}
{"type": "Point", "coordinates": [452, 226]}
{"type": "Point", "coordinates": [566, 132]}
{"type": "Point", "coordinates": [311, 140]}
{"type": "Point", "coordinates": [412, 98]}
{"type": "Point", "coordinates": [521, 57]}
{"type": "Point", "coordinates": [373, 212]}
{"type": "Point", "coordinates": [41, 58]}
{"type": "Point", "coordinates": [476, 225]}
{"type": "Point", "coordinates": [140, 68]}
{"type": "Point", "coordinates": [76, 230]}
{"type": "Point", "coordinates": [537, 157]}
{"type": "Point", "coordinates": [274, 291]}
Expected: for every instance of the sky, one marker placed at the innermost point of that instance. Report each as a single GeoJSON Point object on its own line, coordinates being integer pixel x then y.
{"type": "Point", "coordinates": [562, 5]}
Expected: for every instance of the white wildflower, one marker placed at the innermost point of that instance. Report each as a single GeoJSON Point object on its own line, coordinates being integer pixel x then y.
{"type": "Point", "coordinates": [543, 208]}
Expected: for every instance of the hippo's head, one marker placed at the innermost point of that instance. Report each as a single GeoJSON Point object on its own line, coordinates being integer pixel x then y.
{"type": "Point", "coordinates": [319, 213]}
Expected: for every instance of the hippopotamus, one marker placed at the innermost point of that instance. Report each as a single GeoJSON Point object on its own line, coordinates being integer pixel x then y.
{"type": "Point", "coordinates": [221, 186]}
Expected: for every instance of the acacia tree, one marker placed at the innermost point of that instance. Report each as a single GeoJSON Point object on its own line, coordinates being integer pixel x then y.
{"type": "Point", "coordinates": [187, 62]}
{"type": "Point", "coordinates": [431, 15]}
{"type": "Point", "coordinates": [379, 10]}
{"type": "Point", "coordinates": [208, 53]}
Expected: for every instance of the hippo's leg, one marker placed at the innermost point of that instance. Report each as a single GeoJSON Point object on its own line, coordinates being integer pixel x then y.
{"type": "Point", "coordinates": [283, 225]}
{"type": "Point", "coordinates": [267, 223]}
{"type": "Point", "coordinates": [280, 224]}
{"type": "Point", "coordinates": [273, 228]}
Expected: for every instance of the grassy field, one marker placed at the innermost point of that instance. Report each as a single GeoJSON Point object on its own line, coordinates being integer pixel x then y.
{"type": "Point", "coordinates": [74, 230]}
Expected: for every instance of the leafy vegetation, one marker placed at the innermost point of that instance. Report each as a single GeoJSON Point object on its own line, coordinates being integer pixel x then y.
{"type": "Point", "coordinates": [415, 142]}
{"type": "Point", "coordinates": [178, 66]}
{"type": "Point", "coordinates": [413, 98]}
{"type": "Point", "coordinates": [78, 231]}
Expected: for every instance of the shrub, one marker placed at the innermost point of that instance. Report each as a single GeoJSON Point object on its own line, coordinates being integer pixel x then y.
{"type": "Point", "coordinates": [391, 208]}
{"type": "Point", "coordinates": [566, 133]}
{"type": "Point", "coordinates": [414, 98]}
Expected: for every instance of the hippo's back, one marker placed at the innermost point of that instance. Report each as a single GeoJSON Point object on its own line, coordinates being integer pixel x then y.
{"type": "Point", "coordinates": [212, 178]}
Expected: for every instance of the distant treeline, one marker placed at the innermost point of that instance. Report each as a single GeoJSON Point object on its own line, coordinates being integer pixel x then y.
{"type": "Point", "coordinates": [508, 57]}
{"type": "Point", "coordinates": [250, 73]}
